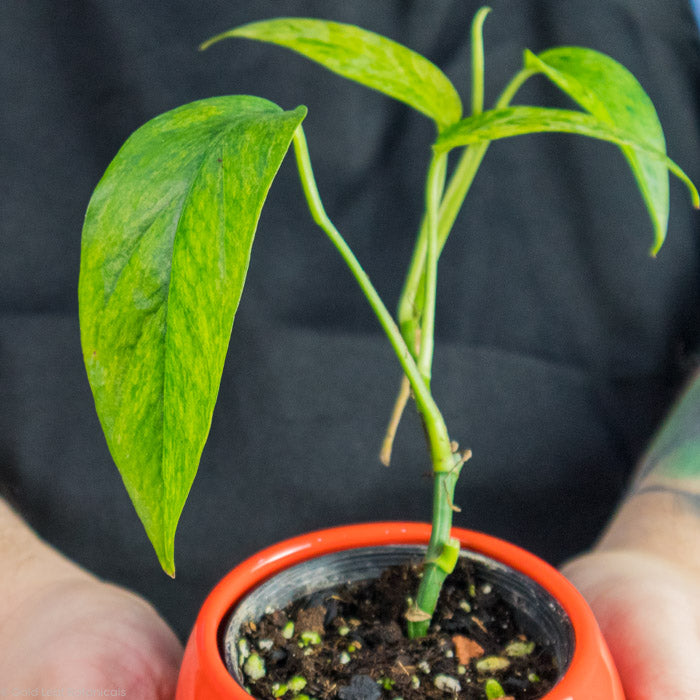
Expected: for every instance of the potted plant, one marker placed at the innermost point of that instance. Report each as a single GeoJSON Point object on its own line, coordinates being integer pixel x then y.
{"type": "Point", "coordinates": [167, 242]}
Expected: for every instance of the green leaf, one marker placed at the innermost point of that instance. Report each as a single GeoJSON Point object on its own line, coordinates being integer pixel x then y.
{"type": "Point", "coordinates": [165, 250]}
{"type": "Point", "coordinates": [609, 91]}
{"type": "Point", "coordinates": [365, 57]}
{"type": "Point", "coordinates": [515, 121]}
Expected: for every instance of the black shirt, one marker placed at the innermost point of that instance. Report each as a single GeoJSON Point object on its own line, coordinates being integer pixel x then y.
{"type": "Point", "coordinates": [559, 344]}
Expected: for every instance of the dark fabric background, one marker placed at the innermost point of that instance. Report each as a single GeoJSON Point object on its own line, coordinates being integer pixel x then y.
{"type": "Point", "coordinates": [560, 342]}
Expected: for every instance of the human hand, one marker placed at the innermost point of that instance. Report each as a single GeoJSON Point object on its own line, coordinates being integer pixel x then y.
{"type": "Point", "coordinates": [648, 609]}
{"type": "Point", "coordinates": [79, 634]}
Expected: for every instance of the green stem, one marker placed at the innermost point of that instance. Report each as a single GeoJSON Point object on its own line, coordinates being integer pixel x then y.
{"type": "Point", "coordinates": [438, 437]}
{"type": "Point", "coordinates": [513, 86]}
{"type": "Point", "coordinates": [441, 213]}
{"type": "Point", "coordinates": [441, 555]}
{"type": "Point", "coordinates": [410, 308]}
{"type": "Point", "coordinates": [409, 312]}
{"type": "Point", "coordinates": [433, 194]}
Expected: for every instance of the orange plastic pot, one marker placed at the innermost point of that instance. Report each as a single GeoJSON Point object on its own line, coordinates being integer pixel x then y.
{"type": "Point", "coordinates": [204, 676]}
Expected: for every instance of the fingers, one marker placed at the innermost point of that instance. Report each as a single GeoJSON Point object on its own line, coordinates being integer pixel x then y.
{"type": "Point", "coordinates": [649, 612]}
{"type": "Point", "coordinates": [87, 635]}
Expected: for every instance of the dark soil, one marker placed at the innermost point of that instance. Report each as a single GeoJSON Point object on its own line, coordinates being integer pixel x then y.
{"type": "Point", "coordinates": [348, 643]}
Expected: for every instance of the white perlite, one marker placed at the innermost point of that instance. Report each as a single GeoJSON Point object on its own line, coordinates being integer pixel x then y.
{"type": "Point", "coordinates": [447, 683]}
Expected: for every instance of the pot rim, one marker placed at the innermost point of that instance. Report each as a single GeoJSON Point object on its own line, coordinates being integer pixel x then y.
{"type": "Point", "coordinates": [589, 648]}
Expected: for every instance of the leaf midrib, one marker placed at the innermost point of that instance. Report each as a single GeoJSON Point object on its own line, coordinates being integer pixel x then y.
{"type": "Point", "coordinates": [215, 143]}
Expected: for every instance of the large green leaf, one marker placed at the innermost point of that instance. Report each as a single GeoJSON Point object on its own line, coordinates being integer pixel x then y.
{"type": "Point", "coordinates": [165, 250]}
{"type": "Point", "coordinates": [365, 57]}
{"type": "Point", "coordinates": [515, 121]}
{"type": "Point", "coordinates": [609, 91]}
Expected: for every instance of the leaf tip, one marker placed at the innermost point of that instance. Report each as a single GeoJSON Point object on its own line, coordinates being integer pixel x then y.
{"type": "Point", "coordinates": [658, 242]}
{"type": "Point", "coordinates": [216, 39]}
{"type": "Point", "coordinates": [206, 44]}
{"type": "Point", "coordinates": [165, 551]}
{"type": "Point", "coordinates": [167, 562]}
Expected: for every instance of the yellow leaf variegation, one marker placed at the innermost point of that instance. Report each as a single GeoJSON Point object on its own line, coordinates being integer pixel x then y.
{"type": "Point", "coordinates": [363, 57]}
{"type": "Point", "coordinates": [165, 251]}
{"type": "Point", "coordinates": [608, 91]}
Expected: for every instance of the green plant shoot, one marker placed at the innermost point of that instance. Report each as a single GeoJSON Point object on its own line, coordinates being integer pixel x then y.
{"type": "Point", "coordinates": [168, 234]}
